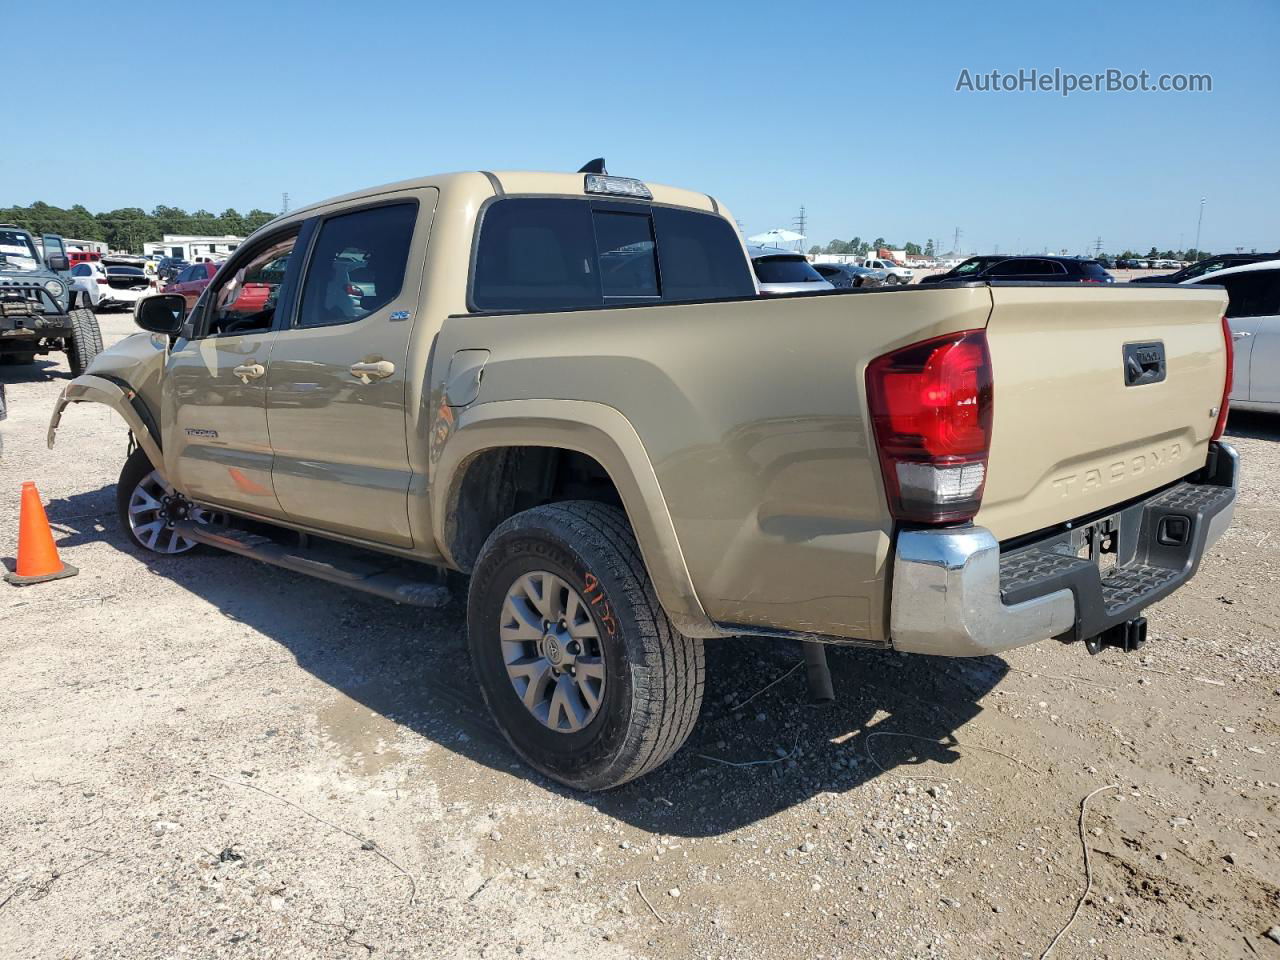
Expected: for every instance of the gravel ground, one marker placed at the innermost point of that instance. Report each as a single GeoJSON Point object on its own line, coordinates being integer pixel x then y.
{"type": "Point", "coordinates": [206, 756]}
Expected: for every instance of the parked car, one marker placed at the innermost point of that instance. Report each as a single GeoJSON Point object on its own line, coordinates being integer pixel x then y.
{"type": "Point", "coordinates": [1039, 269]}
{"type": "Point", "coordinates": [785, 271]}
{"type": "Point", "coordinates": [190, 283]}
{"type": "Point", "coordinates": [1213, 264]}
{"type": "Point", "coordinates": [84, 281]}
{"type": "Point", "coordinates": [845, 275]}
{"type": "Point", "coordinates": [894, 272]}
{"type": "Point", "coordinates": [1253, 313]}
{"type": "Point", "coordinates": [657, 455]}
{"type": "Point", "coordinates": [169, 267]}
{"type": "Point", "coordinates": [117, 287]}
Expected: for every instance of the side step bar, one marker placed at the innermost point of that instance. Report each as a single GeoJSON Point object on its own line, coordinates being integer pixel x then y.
{"type": "Point", "coordinates": [358, 572]}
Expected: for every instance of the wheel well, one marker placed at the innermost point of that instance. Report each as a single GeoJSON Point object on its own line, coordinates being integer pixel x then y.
{"type": "Point", "coordinates": [500, 482]}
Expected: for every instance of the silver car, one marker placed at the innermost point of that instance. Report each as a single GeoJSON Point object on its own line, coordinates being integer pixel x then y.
{"type": "Point", "coordinates": [785, 271]}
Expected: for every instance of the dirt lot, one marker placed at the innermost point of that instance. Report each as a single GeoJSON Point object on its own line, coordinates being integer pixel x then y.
{"type": "Point", "coordinates": [205, 756]}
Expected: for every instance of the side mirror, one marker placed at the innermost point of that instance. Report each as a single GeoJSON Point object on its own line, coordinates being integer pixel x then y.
{"type": "Point", "coordinates": [57, 262]}
{"type": "Point", "coordinates": [161, 313]}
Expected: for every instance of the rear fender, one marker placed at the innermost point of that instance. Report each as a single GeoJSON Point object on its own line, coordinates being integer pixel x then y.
{"type": "Point", "coordinates": [124, 400]}
{"type": "Point", "coordinates": [600, 432]}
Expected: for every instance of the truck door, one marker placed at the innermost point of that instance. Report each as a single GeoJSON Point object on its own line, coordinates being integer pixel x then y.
{"type": "Point", "coordinates": [216, 447]}
{"type": "Point", "coordinates": [336, 383]}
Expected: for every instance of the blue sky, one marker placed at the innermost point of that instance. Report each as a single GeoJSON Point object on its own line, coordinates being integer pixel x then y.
{"type": "Point", "coordinates": [849, 108]}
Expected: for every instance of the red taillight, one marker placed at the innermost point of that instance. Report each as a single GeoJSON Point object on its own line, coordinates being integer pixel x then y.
{"type": "Point", "coordinates": [353, 290]}
{"type": "Point", "coordinates": [931, 406]}
{"type": "Point", "coordinates": [103, 281]}
{"type": "Point", "coordinates": [1221, 425]}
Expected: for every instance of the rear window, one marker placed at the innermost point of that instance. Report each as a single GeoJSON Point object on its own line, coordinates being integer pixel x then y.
{"type": "Point", "coordinates": [702, 257]}
{"type": "Point", "coordinates": [628, 254]}
{"type": "Point", "coordinates": [126, 271]}
{"type": "Point", "coordinates": [558, 254]}
{"type": "Point", "coordinates": [785, 269]}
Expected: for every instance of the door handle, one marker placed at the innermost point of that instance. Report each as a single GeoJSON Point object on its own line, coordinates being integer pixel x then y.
{"type": "Point", "coordinates": [367, 371]}
{"type": "Point", "coordinates": [249, 371]}
{"type": "Point", "coordinates": [1240, 335]}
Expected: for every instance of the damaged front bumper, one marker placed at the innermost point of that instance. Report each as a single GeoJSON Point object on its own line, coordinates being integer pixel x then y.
{"type": "Point", "coordinates": [957, 593]}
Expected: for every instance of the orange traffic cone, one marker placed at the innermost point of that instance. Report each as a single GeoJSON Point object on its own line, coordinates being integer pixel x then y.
{"type": "Point", "coordinates": [37, 556]}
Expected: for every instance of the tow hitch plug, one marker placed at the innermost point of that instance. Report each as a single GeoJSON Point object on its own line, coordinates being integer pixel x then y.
{"type": "Point", "coordinates": [1128, 636]}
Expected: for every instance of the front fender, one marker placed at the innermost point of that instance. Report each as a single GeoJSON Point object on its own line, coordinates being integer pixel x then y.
{"type": "Point", "coordinates": [120, 397]}
{"type": "Point", "coordinates": [597, 431]}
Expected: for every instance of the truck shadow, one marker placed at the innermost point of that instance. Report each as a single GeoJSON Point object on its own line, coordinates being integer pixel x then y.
{"type": "Point", "coordinates": [1255, 426]}
{"type": "Point", "coordinates": [749, 757]}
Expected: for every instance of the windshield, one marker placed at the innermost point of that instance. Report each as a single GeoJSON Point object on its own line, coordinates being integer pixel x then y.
{"type": "Point", "coordinates": [16, 251]}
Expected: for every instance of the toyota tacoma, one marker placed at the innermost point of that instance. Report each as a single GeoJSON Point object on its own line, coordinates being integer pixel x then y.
{"type": "Point", "coordinates": [563, 394]}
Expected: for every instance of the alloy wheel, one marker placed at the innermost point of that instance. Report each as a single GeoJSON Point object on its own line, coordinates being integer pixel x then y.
{"type": "Point", "coordinates": [154, 512]}
{"type": "Point", "coordinates": [552, 651]}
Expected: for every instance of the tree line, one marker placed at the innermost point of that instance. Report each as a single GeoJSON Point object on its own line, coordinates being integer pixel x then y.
{"type": "Point", "coordinates": [860, 248]}
{"type": "Point", "coordinates": [128, 228]}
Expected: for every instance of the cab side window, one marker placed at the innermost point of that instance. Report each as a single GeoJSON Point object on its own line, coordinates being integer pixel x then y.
{"type": "Point", "coordinates": [358, 264]}
{"type": "Point", "coordinates": [243, 299]}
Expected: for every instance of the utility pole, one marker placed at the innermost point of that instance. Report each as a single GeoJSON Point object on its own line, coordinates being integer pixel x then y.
{"type": "Point", "coordinates": [800, 223]}
{"type": "Point", "coordinates": [284, 203]}
{"type": "Point", "coordinates": [1097, 246]}
{"type": "Point", "coordinates": [1199, 220]}
{"type": "Point", "coordinates": [955, 240]}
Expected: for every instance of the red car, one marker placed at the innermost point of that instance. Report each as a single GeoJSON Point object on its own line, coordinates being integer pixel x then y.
{"type": "Point", "coordinates": [191, 282]}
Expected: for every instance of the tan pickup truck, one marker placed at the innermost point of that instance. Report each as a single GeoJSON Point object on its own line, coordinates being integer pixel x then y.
{"type": "Point", "coordinates": [565, 386]}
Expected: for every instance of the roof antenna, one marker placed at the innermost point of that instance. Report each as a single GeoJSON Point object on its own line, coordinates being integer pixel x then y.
{"type": "Point", "coordinates": [594, 166]}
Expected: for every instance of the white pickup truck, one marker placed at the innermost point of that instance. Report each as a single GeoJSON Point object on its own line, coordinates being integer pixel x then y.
{"type": "Point", "coordinates": [896, 271]}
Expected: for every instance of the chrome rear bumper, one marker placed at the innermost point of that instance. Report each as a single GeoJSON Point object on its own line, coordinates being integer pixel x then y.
{"type": "Point", "coordinates": [948, 598]}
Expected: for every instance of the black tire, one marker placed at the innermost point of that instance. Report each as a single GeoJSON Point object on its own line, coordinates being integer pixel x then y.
{"type": "Point", "coordinates": [85, 341]}
{"type": "Point", "coordinates": [654, 674]}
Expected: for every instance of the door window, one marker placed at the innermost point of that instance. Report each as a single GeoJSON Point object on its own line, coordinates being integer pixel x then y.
{"type": "Point", "coordinates": [358, 265]}
{"type": "Point", "coordinates": [1255, 293]}
{"type": "Point", "coordinates": [244, 300]}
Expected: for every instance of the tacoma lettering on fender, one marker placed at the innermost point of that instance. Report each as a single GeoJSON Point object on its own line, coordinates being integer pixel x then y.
{"type": "Point", "coordinates": [566, 387]}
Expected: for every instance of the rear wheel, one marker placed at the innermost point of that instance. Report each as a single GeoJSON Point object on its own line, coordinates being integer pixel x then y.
{"type": "Point", "coordinates": [85, 341]}
{"type": "Point", "coordinates": [578, 663]}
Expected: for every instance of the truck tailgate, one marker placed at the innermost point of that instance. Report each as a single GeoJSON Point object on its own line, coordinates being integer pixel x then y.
{"type": "Point", "coordinates": [1070, 437]}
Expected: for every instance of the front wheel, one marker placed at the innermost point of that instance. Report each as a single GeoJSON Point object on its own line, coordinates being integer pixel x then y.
{"type": "Point", "coordinates": [578, 663]}
{"type": "Point", "coordinates": [148, 512]}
